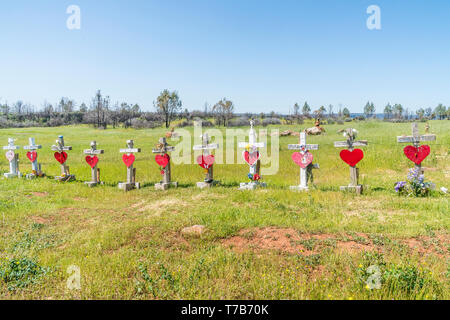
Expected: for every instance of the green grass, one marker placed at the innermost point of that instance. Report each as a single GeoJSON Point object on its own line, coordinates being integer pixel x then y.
{"type": "Point", "coordinates": [129, 245]}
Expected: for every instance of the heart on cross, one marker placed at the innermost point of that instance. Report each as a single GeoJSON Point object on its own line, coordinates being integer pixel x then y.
{"type": "Point", "coordinates": [92, 161]}
{"type": "Point", "coordinates": [128, 159]}
{"type": "Point", "coordinates": [10, 155]}
{"type": "Point", "coordinates": [251, 158]}
{"type": "Point", "coordinates": [61, 157]}
{"type": "Point", "coordinates": [162, 160]}
{"type": "Point", "coordinates": [417, 155]}
{"type": "Point", "coordinates": [32, 156]}
{"type": "Point", "coordinates": [352, 158]}
{"type": "Point", "coordinates": [302, 159]}
{"type": "Point", "coordinates": [205, 162]}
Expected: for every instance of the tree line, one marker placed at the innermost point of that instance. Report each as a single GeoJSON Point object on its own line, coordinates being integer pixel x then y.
{"type": "Point", "coordinates": [168, 107]}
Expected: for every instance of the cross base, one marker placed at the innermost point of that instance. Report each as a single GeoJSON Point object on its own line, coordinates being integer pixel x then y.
{"type": "Point", "coordinates": [299, 188]}
{"type": "Point", "coordinates": [34, 175]}
{"type": "Point", "coordinates": [125, 186]}
{"type": "Point", "coordinates": [252, 185]}
{"type": "Point", "coordinates": [10, 175]}
{"type": "Point", "coordinates": [358, 189]}
{"type": "Point", "coordinates": [165, 186]}
{"type": "Point", "coordinates": [204, 184]}
{"type": "Point", "coordinates": [67, 178]}
{"type": "Point", "coordinates": [92, 184]}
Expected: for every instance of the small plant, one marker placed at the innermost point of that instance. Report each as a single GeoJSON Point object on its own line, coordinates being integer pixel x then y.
{"type": "Point", "coordinates": [416, 185]}
{"type": "Point", "coordinates": [20, 273]}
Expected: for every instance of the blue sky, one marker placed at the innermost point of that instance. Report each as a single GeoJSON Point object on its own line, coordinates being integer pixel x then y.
{"type": "Point", "coordinates": [263, 55]}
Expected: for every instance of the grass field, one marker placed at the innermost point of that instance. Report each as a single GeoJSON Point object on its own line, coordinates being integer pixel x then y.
{"type": "Point", "coordinates": [267, 244]}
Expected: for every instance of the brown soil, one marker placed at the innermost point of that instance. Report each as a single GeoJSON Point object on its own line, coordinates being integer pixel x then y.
{"type": "Point", "coordinates": [290, 241]}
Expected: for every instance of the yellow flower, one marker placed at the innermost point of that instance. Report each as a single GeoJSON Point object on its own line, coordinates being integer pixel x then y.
{"type": "Point", "coordinates": [350, 298]}
{"type": "Point", "coordinates": [360, 265]}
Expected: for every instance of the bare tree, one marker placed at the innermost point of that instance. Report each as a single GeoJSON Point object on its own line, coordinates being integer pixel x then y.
{"type": "Point", "coordinates": [168, 104]}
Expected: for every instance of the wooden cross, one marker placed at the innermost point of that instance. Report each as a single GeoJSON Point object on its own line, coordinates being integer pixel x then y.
{"type": "Point", "coordinates": [162, 148]}
{"type": "Point", "coordinates": [131, 172]}
{"type": "Point", "coordinates": [35, 166]}
{"type": "Point", "coordinates": [415, 139]}
{"type": "Point", "coordinates": [305, 173]}
{"type": "Point", "coordinates": [60, 147]}
{"type": "Point", "coordinates": [206, 147]}
{"type": "Point", "coordinates": [252, 147]}
{"type": "Point", "coordinates": [13, 159]}
{"type": "Point", "coordinates": [92, 154]}
{"type": "Point", "coordinates": [354, 171]}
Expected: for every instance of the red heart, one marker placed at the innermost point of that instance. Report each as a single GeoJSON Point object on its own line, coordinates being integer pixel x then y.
{"type": "Point", "coordinates": [32, 155]}
{"type": "Point", "coordinates": [162, 160]}
{"type": "Point", "coordinates": [92, 161]}
{"type": "Point", "coordinates": [303, 160]}
{"type": "Point", "coordinates": [128, 159]}
{"type": "Point", "coordinates": [251, 158]}
{"type": "Point", "coordinates": [205, 162]}
{"type": "Point", "coordinates": [352, 157]}
{"type": "Point", "coordinates": [61, 157]}
{"type": "Point", "coordinates": [417, 155]}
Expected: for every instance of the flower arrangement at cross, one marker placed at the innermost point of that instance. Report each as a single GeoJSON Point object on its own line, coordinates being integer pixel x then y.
{"type": "Point", "coordinates": [416, 185]}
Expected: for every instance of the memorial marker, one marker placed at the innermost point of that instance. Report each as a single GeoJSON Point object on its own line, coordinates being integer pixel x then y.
{"type": "Point", "coordinates": [61, 156]}
{"type": "Point", "coordinates": [92, 161]}
{"type": "Point", "coordinates": [352, 157]}
{"type": "Point", "coordinates": [252, 157]}
{"type": "Point", "coordinates": [416, 153]}
{"type": "Point", "coordinates": [304, 159]}
{"type": "Point", "coordinates": [32, 155]}
{"type": "Point", "coordinates": [13, 159]}
{"type": "Point", "coordinates": [206, 161]}
{"type": "Point", "coordinates": [128, 159]}
{"type": "Point", "coordinates": [163, 160]}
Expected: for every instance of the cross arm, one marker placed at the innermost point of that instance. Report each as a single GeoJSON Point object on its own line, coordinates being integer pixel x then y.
{"type": "Point", "coordinates": [299, 146]}
{"type": "Point", "coordinates": [405, 139]}
{"type": "Point", "coordinates": [345, 144]}
{"type": "Point", "coordinates": [130, 150]}
{"type": "Point", "coordinates": [207, 147]}
{"type": "Point", "coordinates": [90, 151]}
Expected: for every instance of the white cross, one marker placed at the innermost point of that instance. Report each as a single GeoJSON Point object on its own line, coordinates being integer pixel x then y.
{"type": "Point", "coordinates": [252, 145]}
{"type": "Point", "coordinates": [14, 159]}
{"type": "Point", "coordinates": [350, 144]}
{"type": "Point", "coordinates": [131, 172]}
{"type": "Point", "coordinates": [93, 151]}
{"type": "Point", "coordinates": [33, 147]}
{"type": "Point", "coordinates": [303, 147]}
{"type": "Point", "coordinates": [163, 148]}
{"type": "Point", "coordinates": [60, 147]}
{"type": "Point", "coordinates": [206, 147]}
{"type": "Point", "coordinates": [415, 138]}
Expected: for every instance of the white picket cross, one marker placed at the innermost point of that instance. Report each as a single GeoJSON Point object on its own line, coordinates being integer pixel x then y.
{"type": "Point", "coordinates": [95, 171]}
{"type": "Point", "coordinates": [206, 147]}
{"type": "Point", "coordinates": [35, 166]}
{"type": "Point", "coordinates": [354, 171]}
{"type": "Point", "coordinates": [65, 170]}
{"type": "Point", "coordinates": [305, 173]}
{"type": "Point", "coordinates": [131, 171]}
{"type": "Point", "coordinates": [252, 146]}
{"type": "Point", "coordinates": [163, 148]}
{"type": "Point", "coordinates": [415, 139]}
{"type": "Point", "coordinates": [13, 159]}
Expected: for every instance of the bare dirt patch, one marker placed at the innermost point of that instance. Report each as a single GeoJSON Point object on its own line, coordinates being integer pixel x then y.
{"type": "Point", "coordinates": [39, 220]}
{"type": "Point", "coordinates": [160, 205]}
{"type": "Point", "coordinates": [290, 241]}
